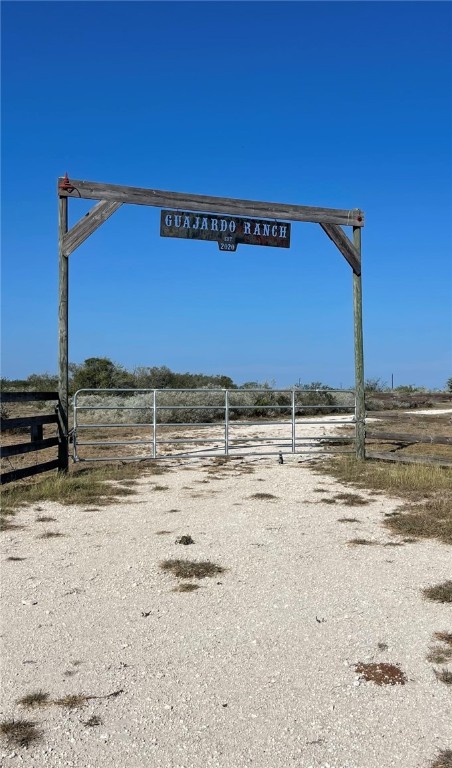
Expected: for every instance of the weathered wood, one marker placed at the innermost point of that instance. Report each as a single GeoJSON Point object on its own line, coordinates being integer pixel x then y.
{"type": "Point", "coordinates": [407, 438]}
{"type": "Point", "coordinates": [28, 421]}
{"type": "Point", "coordinates": [409, 459]}
{"type": "Point", "coordinates": [86, 226]}
{"type": "Point", "coordinates": [359, 354]}
{"type": "Point", "coordinates": [93, 190]}
{"type": "Point", "coordinates": [36, 469]}
{"type": "Point", "coordinates": [346, 247]}
{"type": "Point", "coordinates": [63, 346]}
{"type": "Point", "coordinates": [19, 448]}
{"type": "Point", "coordinates": [19, 397]}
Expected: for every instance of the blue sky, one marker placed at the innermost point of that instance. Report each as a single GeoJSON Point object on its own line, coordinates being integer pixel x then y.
{"type": "Point", "coordinates": [335, 104]}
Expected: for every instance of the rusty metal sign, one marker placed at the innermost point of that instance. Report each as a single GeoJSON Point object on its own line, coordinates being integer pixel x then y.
{"type": "Point", "coordinates": [227, 231]}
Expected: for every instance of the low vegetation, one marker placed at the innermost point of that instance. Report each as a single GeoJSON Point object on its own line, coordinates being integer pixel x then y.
{"type": "Point", "coordinates": [86, 486]}
{"type": "Point", "coordinates": [381, 673]}
{"type": "Point", "coordinates": [189, 569]}
{"type": "Point", "coordinates": [19, 733]}
{"type": "Point", "coordinates": [426, 491]}
{"type": "Point", "coordinates": [439, 593]}
{"type": "Point", "coordinates": [444, 759]}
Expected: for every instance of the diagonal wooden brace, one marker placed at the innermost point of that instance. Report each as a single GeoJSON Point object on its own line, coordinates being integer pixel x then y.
{"type": "Point", "coordinates": [346, 247]}
{"type": "Point", "coordinates": [86, 226]}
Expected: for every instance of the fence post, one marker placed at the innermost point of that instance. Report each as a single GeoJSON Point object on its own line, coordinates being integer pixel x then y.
{"type": "Point", "coordinates": [226, 422]}
{"type": "Point", "coordinates": [154, 424]}
{"type": "Point", "coordinates": [359, 355]}
{"type": "Point", "coordinates": [293, 422]}
{"type": "Point", "coordinates": [63, 384]}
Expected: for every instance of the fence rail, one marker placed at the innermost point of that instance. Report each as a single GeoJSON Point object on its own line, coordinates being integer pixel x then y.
{"type": "Point", "coordinates": [408, 419]}
{"type": "Point", "coordinates": [37, 442]}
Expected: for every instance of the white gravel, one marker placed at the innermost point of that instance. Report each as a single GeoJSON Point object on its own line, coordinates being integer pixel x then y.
{"type": "Point", "coordinates": [255, 668]}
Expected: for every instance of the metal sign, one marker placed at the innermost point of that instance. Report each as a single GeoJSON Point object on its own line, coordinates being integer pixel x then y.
{"type": "Point", "coordinates": [227, 231]}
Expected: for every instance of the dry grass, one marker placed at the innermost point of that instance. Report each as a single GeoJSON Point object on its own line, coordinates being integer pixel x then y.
{"type": "Point", "coordinates": [440, 654]}
{"type": "Point", "coordinates": [427, 488]}
{"type": "Point", "coordinates": [263, 496]}
{"type": "Point", "coordinates": [19, 733]}
{"type": "Point", "coordinates": [44, 519]}
{"type": "Point", "coordinates": [352, 499]}
{"type": "Point", "coordinates": [92, 722]}
{"type": "Point", "coordinates": [439, 593]}
{"type": "Point", "coordinates": [73, 701]}
{"type": "Point", "coordinates": [363, 542]}
{"type": "Point", "coordinates": [444, 759]}
{"type": "Point", "coordinates": [381, 673]}
{"type": "Point", "coordinates": [35, 699]}
{"type": "Point", "coordinates": [189, 569]}
{"type": "Point", "coordinates": [185, 539]}
{"type": "Point", "coordinates": [85, 486]}
{"type": "Point", "coordinates": [348, 520]}
{"type": "Point", "coordinates": [431, 519]}
{"type": "Point", "coordinates": [50, 535]}
{"type": "Point", "coordinates": [444, 637]}
{"type": "Point", "coordinates": [185, 588]}
{"type": "Point", "coordinates": [444, 676]}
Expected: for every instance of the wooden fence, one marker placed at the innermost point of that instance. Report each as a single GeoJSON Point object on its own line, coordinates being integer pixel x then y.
{"type": "Point", "coordinates": [37, 440]}
{"type": "Point", "coordinates": [401, 440]}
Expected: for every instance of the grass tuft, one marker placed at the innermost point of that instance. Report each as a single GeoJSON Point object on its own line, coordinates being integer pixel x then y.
{"type": "Point", "coordinates": [185, 588]}
{"type": "Point", "coordinates": [189, 569]}
{"type": "Point", "coordinates": [15, 559]}
{"type": "Point", "coordinates": [440, 593]}
{"type": "Point", "coordinates": [358, 542]}
{"type": "Point", "coordinates": [92, 722]}
{"type": "Point", "coordinates": [45, 519]}
{"type": "Point", "coordinates": [186, 539]}
{"type": "Point", "coordinates": [444, 676]}
{"type": "Point", "coordinates": [348, 520]}
{"type": "Point", "coordinates": [19, 733]}
{"type": "Point", "coordinates": [440, 654]}
{"type": "Point", "coordinates": [50, 535]}
{"type": "Point", "coordinates": [444, 637]}
{"type": "Point", "coordinates": [263, 496]}
{"type": "Point", "coordinates": [73, 701]}
{"type": "Point", "coordinates": [444, 759]}
{"type": "Point", "coordinates": [35, 699]}
{"type": "Point", "coordinates": [352, 499]}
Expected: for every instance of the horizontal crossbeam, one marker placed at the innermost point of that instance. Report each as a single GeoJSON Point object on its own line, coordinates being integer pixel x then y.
{"type": "Point", "coordinates": [93, 190]}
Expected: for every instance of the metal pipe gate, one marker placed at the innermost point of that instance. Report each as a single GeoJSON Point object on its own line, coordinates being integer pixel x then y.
{"type": "Point", "coordinates": [153, 423]}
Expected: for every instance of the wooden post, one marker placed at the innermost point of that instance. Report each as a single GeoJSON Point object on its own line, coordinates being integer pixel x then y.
{"type": "Point", "coordinates": [63, 360]}
{"type": "Point", "coordinates": [359, 355]}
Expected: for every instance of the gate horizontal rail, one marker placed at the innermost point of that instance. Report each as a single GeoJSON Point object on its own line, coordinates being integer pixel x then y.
{"type": "Point", "coordinates": [216, 412]}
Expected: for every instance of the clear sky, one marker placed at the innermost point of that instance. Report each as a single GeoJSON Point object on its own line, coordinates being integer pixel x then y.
{"type": "Point", "coordinates": [331, 104]}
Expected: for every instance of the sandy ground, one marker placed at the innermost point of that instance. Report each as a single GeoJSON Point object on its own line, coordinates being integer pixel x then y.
{"type": "Point", "coordinates": [254, 669]}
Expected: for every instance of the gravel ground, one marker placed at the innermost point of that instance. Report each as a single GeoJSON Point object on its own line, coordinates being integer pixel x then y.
{"type": "Point", "coordinates": [256, 667]}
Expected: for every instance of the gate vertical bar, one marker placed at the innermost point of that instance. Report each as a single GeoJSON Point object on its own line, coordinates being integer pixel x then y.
{"type": "Point", "coordinates": [226, 423]}
{"type": "Point", "coordinates": [293, 421]}
{"type": "Point", "coordinates": [359, 354]}
{"type": "Point", "coordinates": [154, 424]}
{"type": "Point", "coordinates": [63, 337]}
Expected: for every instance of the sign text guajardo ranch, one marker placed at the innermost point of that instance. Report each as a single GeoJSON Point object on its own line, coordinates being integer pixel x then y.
{"type": "Point", "coordinates": [227, 231]}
